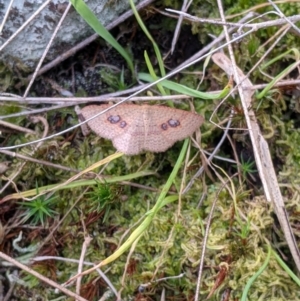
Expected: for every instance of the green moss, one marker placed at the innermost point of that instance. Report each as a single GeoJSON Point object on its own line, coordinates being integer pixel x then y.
{"type": "Point", "coordinates": [174, 241]}
{"type": "Point", "coordinates": [7, 109]}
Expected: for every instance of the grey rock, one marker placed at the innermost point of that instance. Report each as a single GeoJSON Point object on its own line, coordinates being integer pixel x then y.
{"type": "Point", "coordinates": [29, 44]}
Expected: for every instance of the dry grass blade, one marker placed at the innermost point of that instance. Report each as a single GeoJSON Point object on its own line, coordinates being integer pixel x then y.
{"type": "Point", "coordinates": [261, 152]}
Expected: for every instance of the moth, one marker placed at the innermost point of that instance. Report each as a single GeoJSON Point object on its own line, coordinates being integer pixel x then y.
{"type": "Point", "coordinates": [137, 128]}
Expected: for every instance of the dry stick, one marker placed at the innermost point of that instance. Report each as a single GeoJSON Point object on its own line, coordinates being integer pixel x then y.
{"type": "Point", "coordinates": [207, 48]}
{"type": "Point", "coordinates": [86, 243]}
{"type": "Point", "coordinates": [281, 83]}
{"type": "Point", "coordinates": [143, 286]}
{"type": "Point", "coordinates": [211, 156]}
{"type": "Point", "coordinates": [24, 25]}
{"type": "Point", "coordinates": [10, 95]}
{"type": "Point", "coordinates": [46, 127]}
{"type": "Point", "coordinates": [37, 111]}
{"type": "Point", "coordinates": [89, 40]}
{"type": "Point", "coordinates": [204, 243]}
{"type": "Point", "coordinates": [127, 263]}
{"type": "Point", "coordinates": [6, 16]}
{"type": "Point", "coordinates": [184, 8]}
{"type": "Point", "coordinates": [102, 274]}
{"type": "Point", "coordinates": [16, 127]}
{"type": "Point", "coordinates": [42, 162]}
{"type": "Point", "coordinates": [71, 101]}
{"type": "Point", "coordinates": [224, 63]}
{"type": "Point", "coordinates": [284, 17]}
{"type": "Point", "coordinates": [214, 58]}
{"type": "Point", "coordinates": [261, 152]}
{"type": "Point", "coordinates": [254, 26]}
{"type": "Point", "coordinates": [58, 258]}
{"type": "Point", "coordinates": [41, 277]}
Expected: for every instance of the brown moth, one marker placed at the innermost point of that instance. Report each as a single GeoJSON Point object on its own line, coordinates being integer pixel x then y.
{"type": "Point", "coordinates": [137, 128]}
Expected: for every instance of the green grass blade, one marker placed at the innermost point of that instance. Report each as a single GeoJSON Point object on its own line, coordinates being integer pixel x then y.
{"type": "Point", "coordinates": [161, 201]}
{"type": "Point", "coordinates": [286, 268]}
{"type": "Point", "coordinates": [147, 33]}
{"type": "Point", "coordinates": [92, 20]}
{"type": "Point", "coordinates": [152, 72]}
{"type": "Point", "coordinates": [282, 74]}
{"type": "Point", "coordinates": [186, 90]}
{"type": "Point", "coordinates": [276, 79]}
{"type": "Point", "coordinates": [256, 275]}
{"type": "Point", "coordinates": [75, 184]}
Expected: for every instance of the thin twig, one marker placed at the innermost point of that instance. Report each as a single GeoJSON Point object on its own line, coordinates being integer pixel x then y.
{"type": "Point", "coordinates": [254, 26]}
{"type": "Point", "coordinates": [71, 101]}
{"type": "Point", "coordinates": [38, 67]}
{"type": "Point", "coordinates": [204, 243]}
{"type": "Point", "coordinates": [184, 8]}
{"type": "Point", "coordinates": [288, 20]}
{"type": "Point", "coordinates": [86, 243]}
{"type": "Point", "coordinates": [16, 127]}
{"type": "Point", "coordinates": [212, 155]}
{"type": "Point", "coordinates": [36, 13]}
{"type": "Point", "coordinates": [6, 16]}
{"type": "Point", "coordinates": [40, 162]}
{"type": "Point", "coordinates": [12, 177]}
{"type": "Point", "coordinates": [41, 277]}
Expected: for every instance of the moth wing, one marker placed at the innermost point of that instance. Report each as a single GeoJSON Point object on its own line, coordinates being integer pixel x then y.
{"type": "Point", "coordinates": [102, 125]}
{"type": "Point", "coordinates": [129, 144]}
{"type": "Point", "coordinates": [133, 128]}
{"type": "Point", "coordinates": [161, 135]}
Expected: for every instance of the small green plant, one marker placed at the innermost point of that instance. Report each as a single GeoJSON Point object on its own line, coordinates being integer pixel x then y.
{"type": "Point", "coordinates": [102, 197]}
{"type": "Point", "coordinates": [121, 82]}
{"type": "Point", "coordinates": [247, 168]}
{"type": "Point", "coordinates": [39, 209]}
{"type": "Point", "coordinates": [244, 230]}
{"type": "Point", "coordinates": [114, 80]}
